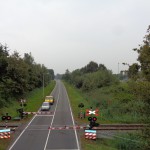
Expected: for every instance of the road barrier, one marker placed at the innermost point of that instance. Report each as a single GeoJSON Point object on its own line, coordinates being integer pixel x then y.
{"type": "Point", "coordinates": [90, 134]}
{"type": "Point", "coordinates": [4, 133]}
{"type": "Point", "coordinates": [67, 128]}
{"type": "Point", "coordinates": [39, 113]}
{"type": "Point", "coordinates": [102, 127]}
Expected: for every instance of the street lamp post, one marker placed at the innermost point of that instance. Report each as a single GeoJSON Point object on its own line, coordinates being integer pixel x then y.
{"type": "Point", "coordinates": [43, 83]}
{"type": "Point", "coordinates": [118, 68]}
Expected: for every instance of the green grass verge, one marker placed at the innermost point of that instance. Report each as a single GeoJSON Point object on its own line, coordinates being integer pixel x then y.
{"type": "Point", "coordinates": [117, 103]}
{"type": "Point", "coordinates": [125, 142]}
{"type": "Point", "coordinates": [34, 101]}
{"type": "Point", "coordinates": [99, 144]}
{"type": "Point", "coordinates": [76, 98]}
{"type": "Point", "coordinates": [37, 97]}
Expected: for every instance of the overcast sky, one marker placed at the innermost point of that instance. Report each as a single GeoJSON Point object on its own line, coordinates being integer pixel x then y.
{"type": "Point", "coordinates": [68, 34]}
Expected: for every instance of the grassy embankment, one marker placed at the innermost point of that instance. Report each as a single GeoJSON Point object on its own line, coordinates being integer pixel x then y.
{"type": "Point", "coordinates": [116, 105]}
{"type": "Point", "coordinates": [34, 101]}
{"type": "Point", "coordinates": [76, 98]}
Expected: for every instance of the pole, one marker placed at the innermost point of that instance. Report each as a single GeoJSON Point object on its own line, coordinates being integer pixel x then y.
{"type": "Point", "coordinates": [118, 69]}
{"type": "Point", "coordinates": [43, 85]}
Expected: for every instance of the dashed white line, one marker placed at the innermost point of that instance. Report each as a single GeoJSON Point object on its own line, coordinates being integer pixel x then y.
{"type": "Point", "coordinates": [72, 120]}
{"type": "Point", "coordinates": [27, 126]}
{"type": "Point", "coordinates": [21, 133]}
{"type": "Point", "coordinates": [52, 121]}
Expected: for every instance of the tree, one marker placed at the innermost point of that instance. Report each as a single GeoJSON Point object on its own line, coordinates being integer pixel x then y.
{"type": "Point", "coordinates": [92, 67]}
{"type": "Point", "coordinates": [133, 71]}
{"type": "Point", "coordinates": [51, 72]}
{"type": "Point", "coordinates": [3, 61]}
{"type": "Point", "coordinates": [67, 76]}
{"type": "Point", "coordinates": [102, 67]}
{"type": "Point", "coordinates": [17, 74]}
{"type": "Point", "coordinates": [144, 56]}
{"type": "Point", "coordinates": [28, 58]}
{"type": "Point", "coordinates": [142, 88]}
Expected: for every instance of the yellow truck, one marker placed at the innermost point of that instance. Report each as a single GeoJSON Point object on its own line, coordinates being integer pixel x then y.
{"type": "Point", "coordinates": [49, 99]}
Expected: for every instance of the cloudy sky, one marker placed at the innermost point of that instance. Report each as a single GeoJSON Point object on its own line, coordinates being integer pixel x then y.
{"type": "Point", "coordinates": [68, 34]}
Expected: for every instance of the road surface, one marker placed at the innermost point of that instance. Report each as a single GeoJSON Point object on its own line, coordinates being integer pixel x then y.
{"type": "Point", "coordinates": [37, 136]}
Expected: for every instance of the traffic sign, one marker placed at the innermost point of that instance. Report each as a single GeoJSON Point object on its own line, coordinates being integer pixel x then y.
{"type": "Point", "coordinates": [92, 112]}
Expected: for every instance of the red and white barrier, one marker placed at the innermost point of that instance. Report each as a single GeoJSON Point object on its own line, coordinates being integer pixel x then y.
{"type": "Point", "coordinates": [67, 128]}
{"type": "Point", "coordinates": [4, 136]}
{"type": "Point", "coordinates": [90, 134]}
{"type": "Point", "coordinates": [4, 133]}
{"type": "Point", "coordinates": [39, 113]}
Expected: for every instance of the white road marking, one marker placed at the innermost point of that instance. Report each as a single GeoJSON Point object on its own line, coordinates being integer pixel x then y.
{"type": "Point", "coordinates": [21, 133]}
{"type": "Point", "coordinates": [72, 119]}
{"type": "Point", "coordinates": [52, 121]}
{"type": "Point", "coordinates": [27, 125]}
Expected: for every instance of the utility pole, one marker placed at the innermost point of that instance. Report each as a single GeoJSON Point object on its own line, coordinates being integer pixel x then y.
{"type": "Point", "coordinates": [43, 85]}
{"type": "Point", "coordinates": [118, 69]}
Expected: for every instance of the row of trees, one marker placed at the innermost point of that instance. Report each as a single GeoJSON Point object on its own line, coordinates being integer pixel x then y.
{"type": "Point", "coordinates": [20, 75]}
{"type": "Point", "coordinates": [141, 72]}
{"type": "Point", "coordinates": [142, 69]}
{"type": "Point", "coordinates": [90, 77]}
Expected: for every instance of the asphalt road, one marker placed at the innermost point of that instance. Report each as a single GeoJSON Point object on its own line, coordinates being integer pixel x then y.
{"type": "Point", "coordinates": [37, 136]}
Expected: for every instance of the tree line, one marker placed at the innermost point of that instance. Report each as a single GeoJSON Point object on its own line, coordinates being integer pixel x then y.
{"type": "Point", "coordinates": [140, 74]}
{"type": "Point", "coordinates": [19, 75]}
{"type": "Point", "coordinates": [90, 77]}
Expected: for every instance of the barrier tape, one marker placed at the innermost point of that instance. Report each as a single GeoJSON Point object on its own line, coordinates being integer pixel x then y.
{"type": "Point", "coordinates": [39, 113]}
{"type": "Point", "coordinates": [67, 128]}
